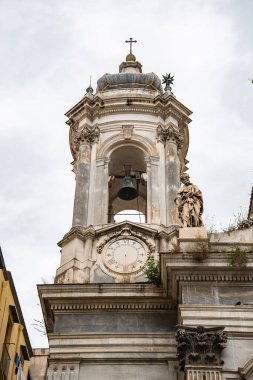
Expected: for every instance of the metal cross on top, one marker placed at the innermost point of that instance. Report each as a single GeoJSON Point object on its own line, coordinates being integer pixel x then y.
{"type": "Point", "coordinates": [131, 41]}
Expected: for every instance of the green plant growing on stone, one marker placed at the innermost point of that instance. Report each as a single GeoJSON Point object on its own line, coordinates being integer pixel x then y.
{"type": "Point", "coordinates": [209, 224]}
{"type": "Point", "coordinates": [239, 217]}
{"type": "Point", "coordinates": [152, 270]}
{"type": "Point", "coordinates": [238, 258]}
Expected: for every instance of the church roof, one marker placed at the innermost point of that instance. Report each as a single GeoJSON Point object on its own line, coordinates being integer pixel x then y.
{"type": "Point", "coordinates": [148, 81]}
{"type": "Point", "coordinates": [130, 76]}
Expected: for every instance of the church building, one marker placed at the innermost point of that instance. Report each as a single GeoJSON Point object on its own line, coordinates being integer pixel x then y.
{"type": "Point", "coordinates": [154, 297]}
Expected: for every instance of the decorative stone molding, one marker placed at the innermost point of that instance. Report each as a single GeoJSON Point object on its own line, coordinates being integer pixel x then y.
{"type": "Point", "coordinates": [247, 370]}
{"type": "Point", "coordinates": [203, 373]}
{"type": "Point", "coordinates": [114, 142]}
{"type": "Point", "coordinates": [80, 232]}
{"type": "Point", "coordinates": [169, 134]}
{"type": "Point", "coordinates": [183, 168]}
{"type": "Point", "coordinates": [113, 306]}
{"type": "Point", "coordinates": [125, 231]}
{"type": "Point", "coordinates": [127, 131]}
{"type": "Point", "coordinates": [198, 346]}
{"type": "Point", "coordinates": [88, 134]}
{"type": "Point", "coordinates": [215, 277]}
{"type": "Point", "coordinates": [66, 371]}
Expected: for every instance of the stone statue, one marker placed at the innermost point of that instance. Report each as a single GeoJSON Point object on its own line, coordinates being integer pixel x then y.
{"type": "Point", "coordinates": [189, 202]}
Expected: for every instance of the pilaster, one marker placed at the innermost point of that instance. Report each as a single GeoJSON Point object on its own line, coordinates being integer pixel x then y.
{"type": "Point", "coordinates": [85, 138]}
{"type": "Point", "coordinates": [172, 140]}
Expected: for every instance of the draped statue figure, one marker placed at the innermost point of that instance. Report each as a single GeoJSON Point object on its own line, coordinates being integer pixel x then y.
{"type": "Point", "coordinates": [189, 202]}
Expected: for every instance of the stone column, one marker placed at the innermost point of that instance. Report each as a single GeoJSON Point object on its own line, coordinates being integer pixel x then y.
{"type": "Point", "coordinates": [105, 196]}
{"type": "Point", "coordinates": [149, 189]}
{"type": "Point", "coordinates": [91, 204]}
{"type": "Point", "coordinates": [80, 211]}
{"type": "Point", "coordinates": [155, 191]}
{"type": "Point", "coordinates": [172, 140]}
{"type": "Point", "coordinates": [85, 137]}
{"type": "Point", "coordinates": [101, 192]}
{"type": "Point", "coordinates": [162, 196]}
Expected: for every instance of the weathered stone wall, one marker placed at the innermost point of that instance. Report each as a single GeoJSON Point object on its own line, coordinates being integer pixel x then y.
{"type": "Point", "coordinates": [38, 367]}
{"type": "Point", "coordinates": [117, 322]}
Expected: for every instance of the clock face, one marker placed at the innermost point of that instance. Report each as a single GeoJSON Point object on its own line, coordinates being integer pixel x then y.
{"type": "Point", "coordinates": [125, 256]}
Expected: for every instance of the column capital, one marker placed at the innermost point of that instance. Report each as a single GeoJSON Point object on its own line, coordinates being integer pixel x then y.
{"type": "Point", "coordinates": [200, 346]}
{"type": "Point", "coordinates": [87, 135]}
{"type": "Point", "coordinates": [169, 134]}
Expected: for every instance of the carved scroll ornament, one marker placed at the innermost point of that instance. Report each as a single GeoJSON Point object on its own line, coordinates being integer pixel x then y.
{"type": "Point", "coordinates": [200, 345]}
{"type": "Point", "coordinates": [86, 134]}
{"type": "Point", "coordinates": [170, 134]}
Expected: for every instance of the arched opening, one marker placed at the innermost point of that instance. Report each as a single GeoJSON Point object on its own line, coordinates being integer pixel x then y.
{"type": "Point", "coordinates": [127, 176]}
{"type": "Point", "coordinates": [130, 215]}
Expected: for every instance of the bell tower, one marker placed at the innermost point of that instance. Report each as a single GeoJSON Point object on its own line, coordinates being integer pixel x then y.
{"type": "Point", "coordinates": [129, 142]}
{"type": "Point", "coordinates": [106, 317]}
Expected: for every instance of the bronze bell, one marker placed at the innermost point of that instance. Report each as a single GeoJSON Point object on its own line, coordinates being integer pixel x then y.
{"type": "Point", "coordinates": [127, 192]}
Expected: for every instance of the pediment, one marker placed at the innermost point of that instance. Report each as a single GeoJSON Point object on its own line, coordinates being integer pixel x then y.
{"type": "Point", "coordinates": [126, 227]}
{"type": "Point", "coordinates": [123, 228]}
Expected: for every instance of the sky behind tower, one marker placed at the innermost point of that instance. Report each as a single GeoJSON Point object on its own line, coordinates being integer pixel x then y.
{"type": "Point", "coordinates": [49, 49]}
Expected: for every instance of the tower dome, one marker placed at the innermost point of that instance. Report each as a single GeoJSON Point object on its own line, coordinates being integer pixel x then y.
{"type": "Point", "coordinates": [130, 76]}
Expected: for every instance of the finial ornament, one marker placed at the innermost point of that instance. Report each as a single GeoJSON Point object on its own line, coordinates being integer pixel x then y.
{"type": "Point", "coordinates": [131, 41]}
{"type": "Point", "coordinates": [130, 56]}
{"type": "Point", "coordinates": [168, 80]}
{"type": "Point", "coordinates": [89, 90]}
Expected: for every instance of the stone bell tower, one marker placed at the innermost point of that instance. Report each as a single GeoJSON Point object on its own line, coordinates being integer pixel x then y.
{"type": "Point", "coordinates": [104, 319]}
{"type": "Point", "coordinates": [128, 136]}
{"type": "Point", "coordinates": [129, 142]}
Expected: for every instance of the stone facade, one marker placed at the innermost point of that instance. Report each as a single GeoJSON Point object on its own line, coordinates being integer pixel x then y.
{"type": "Point", "coordinates": [104, 319]}
{"type": "Point", "coordinates": [38, 367]}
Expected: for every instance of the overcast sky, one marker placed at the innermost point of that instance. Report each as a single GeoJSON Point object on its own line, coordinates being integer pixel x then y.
{"type": "Point", "coordinates": [49, 48]}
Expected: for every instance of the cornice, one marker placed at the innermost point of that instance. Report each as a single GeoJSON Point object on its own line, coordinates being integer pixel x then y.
{"type": "Point", "coordinates": [81, 291]}
{"type": "Point", "coordinates": [168, 232]}
{"type": "Point", "coordinates": [158, 106]}
{"type": "Point", "coordinates": [115, 335]}
{"type": "Point", "coordinates": [183, 268]}
{"type": "Point", "coordinates": [92, 298]}
{"type": "Point", "coordinates": [120, 226]}
{"type": "Point", "coordinates": [215, 277]}
{"type": "Point", "coordinates": [128, 306]}
{"type": "Point", "coordinates": [83, 233]}
{"type": "Point", "coordinates": [80, 232]}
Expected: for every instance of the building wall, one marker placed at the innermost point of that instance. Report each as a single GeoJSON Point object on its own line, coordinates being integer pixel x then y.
{"type": "Point", "coordinates": [38, 367]}
{"type": "Point", "coordinates": [14, 341]}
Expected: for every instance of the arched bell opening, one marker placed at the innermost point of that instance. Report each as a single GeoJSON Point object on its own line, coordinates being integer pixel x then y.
{"type": "Point", "coordinates": [127, 181]}
{"type": "Point", "coordinates": [130, 215]}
